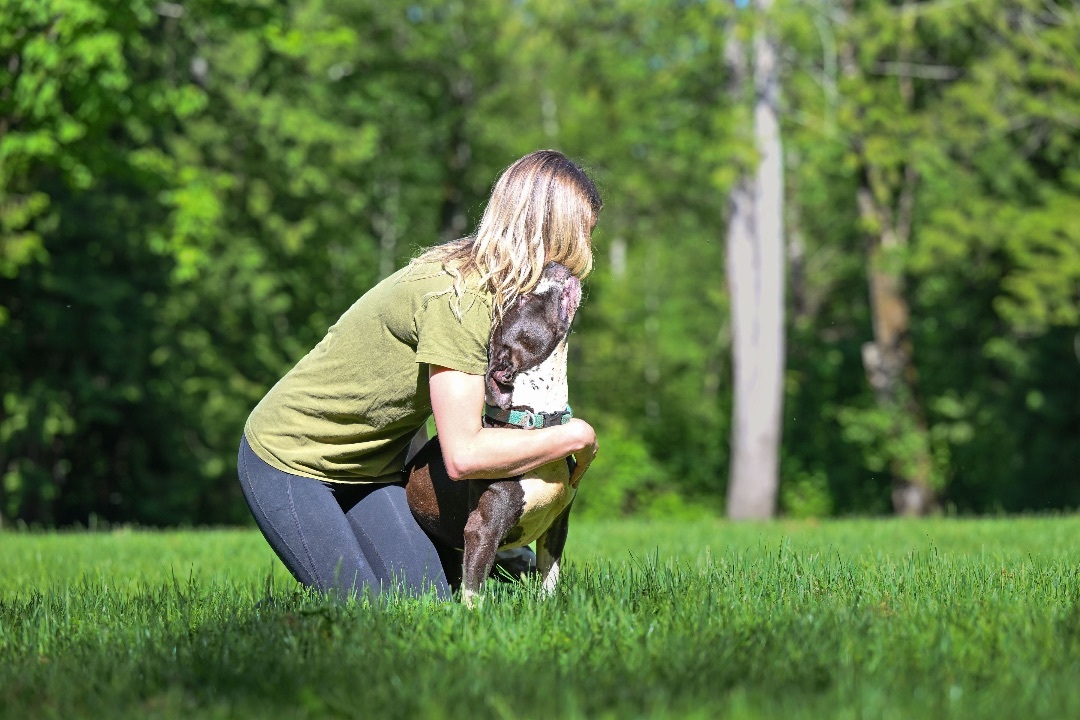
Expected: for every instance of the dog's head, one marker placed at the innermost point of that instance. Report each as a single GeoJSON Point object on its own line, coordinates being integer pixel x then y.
{"type": "Point", "coordinates": [530, 330]}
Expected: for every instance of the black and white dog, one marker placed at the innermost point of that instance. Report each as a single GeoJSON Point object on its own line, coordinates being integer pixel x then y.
{"type": "Point", "coordinates": [526, 388]}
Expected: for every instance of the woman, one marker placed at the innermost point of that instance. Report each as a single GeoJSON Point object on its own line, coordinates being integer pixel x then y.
{"type": "Point", "coordinates": [322, 452]}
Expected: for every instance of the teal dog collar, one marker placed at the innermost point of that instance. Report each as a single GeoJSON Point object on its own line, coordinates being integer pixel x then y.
{"type": "Point", "coordinates": [528, 419]}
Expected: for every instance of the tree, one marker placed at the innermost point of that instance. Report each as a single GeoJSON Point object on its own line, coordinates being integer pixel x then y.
{"type": "Point", "coordinates": [944, 125]}
{"type": "Point", "coordinates": [190, 193]}
{"type": "Point", "coordinates": [83, 99]}
{"type": "Point", "coordinates": [755, 274]}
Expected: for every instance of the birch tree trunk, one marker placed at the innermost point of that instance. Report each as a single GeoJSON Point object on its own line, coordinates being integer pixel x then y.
{"type": "Point", "coordinates": [755, 276]}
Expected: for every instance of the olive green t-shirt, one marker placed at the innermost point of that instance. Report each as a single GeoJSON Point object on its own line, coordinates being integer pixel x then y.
{"type": "Point", "coordinates": [347, 411]}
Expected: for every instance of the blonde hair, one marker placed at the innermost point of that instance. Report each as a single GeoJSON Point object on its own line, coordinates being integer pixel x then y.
{"type": "Point", "coordinates": [542, 209]}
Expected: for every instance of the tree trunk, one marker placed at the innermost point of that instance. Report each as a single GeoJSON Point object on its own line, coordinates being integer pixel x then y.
{"type": "Point", "coordinates": [755, 275]}
{"type": "Point", "coordinates": [454, 213]}
{"type": "Point", "coordinates": [385, 227]}
{"type": "Point", "coordinates": [889, 359]}
{"type": "Point", "coordinates": [886, 210]}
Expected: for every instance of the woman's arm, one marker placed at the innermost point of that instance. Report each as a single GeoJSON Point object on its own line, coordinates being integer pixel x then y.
{"type": "Point", "coordinates": [471, 451]}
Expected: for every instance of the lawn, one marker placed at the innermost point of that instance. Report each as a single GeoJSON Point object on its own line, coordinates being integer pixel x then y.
{"type": "Point", "coordinates": [840, 619]}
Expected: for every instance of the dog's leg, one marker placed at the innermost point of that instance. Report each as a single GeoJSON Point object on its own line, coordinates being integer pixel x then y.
{"type": "Point", "coordinates": [497, 510]}
{"type": "Point", "coordinates": [549, 550]}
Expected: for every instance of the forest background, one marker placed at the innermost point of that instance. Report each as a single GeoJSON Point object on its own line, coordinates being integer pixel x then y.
{"type": "Point", "coordinates": [191, 193]}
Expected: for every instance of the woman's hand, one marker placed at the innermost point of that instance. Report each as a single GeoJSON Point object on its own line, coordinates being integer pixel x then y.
{"type": "Point", "coordinates": [587, 453]}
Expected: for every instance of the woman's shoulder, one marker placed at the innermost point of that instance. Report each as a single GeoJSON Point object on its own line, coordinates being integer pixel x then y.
{"type": "Point", "coordinates": [432, 279]}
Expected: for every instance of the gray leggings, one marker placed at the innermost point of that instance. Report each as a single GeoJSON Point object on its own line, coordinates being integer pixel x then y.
{"type": "Point", "coordinates": [341, 539]}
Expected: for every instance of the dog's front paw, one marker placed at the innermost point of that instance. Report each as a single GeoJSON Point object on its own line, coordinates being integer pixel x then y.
{"type": "Point", "coordinates": [472, 599]}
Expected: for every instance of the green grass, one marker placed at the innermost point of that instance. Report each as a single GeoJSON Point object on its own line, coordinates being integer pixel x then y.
{"type": "Point", "coordinates": [847, 619]}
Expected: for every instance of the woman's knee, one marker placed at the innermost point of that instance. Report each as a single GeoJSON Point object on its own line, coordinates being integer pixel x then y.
{"type": "Point", "coordinates": [398, 548]}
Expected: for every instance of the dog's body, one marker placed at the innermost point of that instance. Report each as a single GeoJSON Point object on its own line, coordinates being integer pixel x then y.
{"type": "Point", "coordinates": [526, 387]}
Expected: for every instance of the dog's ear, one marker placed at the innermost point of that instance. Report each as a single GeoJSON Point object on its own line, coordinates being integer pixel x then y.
{"type": "Point", "coordinates": [499, 379]}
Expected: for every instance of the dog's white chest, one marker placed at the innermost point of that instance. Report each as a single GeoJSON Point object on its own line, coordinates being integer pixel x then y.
{"type": "Point", "coordinates": [547, 491]}
{"type": "Point", "coordinates": [543, 388]}
{"type": "Point", "coordinates": [547, 494]}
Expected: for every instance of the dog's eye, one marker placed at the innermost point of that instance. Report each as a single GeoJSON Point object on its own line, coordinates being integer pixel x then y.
{"type": "Point", "coordinates": [529, 343]}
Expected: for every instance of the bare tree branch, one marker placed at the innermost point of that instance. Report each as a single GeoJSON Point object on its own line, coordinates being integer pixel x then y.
{"type": "Point", "coordinates": [917, 70]}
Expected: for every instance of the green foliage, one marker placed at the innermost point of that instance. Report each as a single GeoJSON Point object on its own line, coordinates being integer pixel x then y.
{"type": "Point", "coordinates": [978, 98]}
{"type": "Point", "coordinates": [626, 480]}
{"type": "Point", "coordinates": [661, 619]}
{"type": "Point", "coordinates": [190, 194]}
{"type": "Point", "coordinates": [83, 85]}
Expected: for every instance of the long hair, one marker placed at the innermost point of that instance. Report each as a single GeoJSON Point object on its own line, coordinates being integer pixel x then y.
{"type": "Point", "coordinates": [542, 209]}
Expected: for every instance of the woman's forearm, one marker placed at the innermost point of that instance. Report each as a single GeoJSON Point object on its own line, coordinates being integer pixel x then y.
{"type": "Point", "coordinates": [504, 452]}
{"type": "Point", "coordinates": [474, 452]}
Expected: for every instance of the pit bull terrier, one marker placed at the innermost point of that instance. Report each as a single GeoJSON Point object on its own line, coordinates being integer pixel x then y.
{"type": "Point", "coordinates": [525, 387]}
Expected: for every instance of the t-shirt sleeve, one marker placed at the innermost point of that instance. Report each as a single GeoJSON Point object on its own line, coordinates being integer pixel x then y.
{"type": "Point", "coordinates": [444, 339]}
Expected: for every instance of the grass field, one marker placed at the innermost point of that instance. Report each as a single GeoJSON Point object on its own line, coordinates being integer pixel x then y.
{"type": "Point", "coordinates": [844, 619]}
